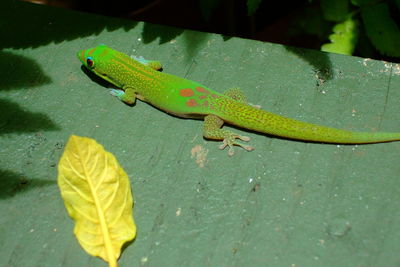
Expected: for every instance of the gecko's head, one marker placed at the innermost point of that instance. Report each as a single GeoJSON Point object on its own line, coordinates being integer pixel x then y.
{"type": "Point", "coordinates": [95, 59]}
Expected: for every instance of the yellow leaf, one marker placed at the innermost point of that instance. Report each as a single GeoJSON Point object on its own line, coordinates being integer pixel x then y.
{"type": "Point", "coordinates": [97, 195]}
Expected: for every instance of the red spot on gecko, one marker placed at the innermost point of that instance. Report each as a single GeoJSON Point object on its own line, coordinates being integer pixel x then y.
{"type": "Point", "coordinates": [201, 90]}
{"type": "Point", "coordinates": [187, 92]}
{"type": "Point", "coordinates": [191, 103]}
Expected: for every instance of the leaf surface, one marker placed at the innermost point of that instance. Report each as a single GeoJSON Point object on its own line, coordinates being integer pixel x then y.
{"type": "Point", "coordinates": [335, 10]}
{"type": "Point", "coordinates": [252, 6]}
{"type": "Point", "coordinates": [97, 195]}
{"type": "Point", "coordinates": [381, 28]}
{"type": "Point", "coordinates": [344, 38]}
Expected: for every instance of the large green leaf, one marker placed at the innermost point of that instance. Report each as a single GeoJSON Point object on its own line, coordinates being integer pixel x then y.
{"type": "Point", "coordinates": [335, 10]}
{"type": "Point", "coordinates": [381, 29]}
{"type": "Point", "coordinates": [252, 6]}
{"type": "Point", "coordinates": [361, 2]}
{"type": "Point", "coordinates": [208, 7]}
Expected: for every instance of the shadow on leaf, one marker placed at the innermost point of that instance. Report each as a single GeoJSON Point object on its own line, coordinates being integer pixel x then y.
{"type": "Point", "coordinates": [153, 31]}
{"type": "Point", "coordinates": [14, 118]}
{"type": "Point", "coordinates": [320, 61]}
{"type": "Point", "coordinates": [50, 25]}
{"type": "Point", "coordinates": [20, 72]}
{"type": "Point", "coordinates": [12, 183]}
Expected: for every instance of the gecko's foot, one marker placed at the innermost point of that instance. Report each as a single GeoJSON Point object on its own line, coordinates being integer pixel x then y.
{"type": "Point", "coordinates": [156, 65]}
{"type": "Point", "coordinates": [230, 142]}
{"type": "Point", "coordinates": [212, 130]}
{"type": "Point", "coordinates": [255, 106]}
{"type": "Point", "coordinates": [116, 92]}
{"type": "Point", "coordinates": [123, 96]}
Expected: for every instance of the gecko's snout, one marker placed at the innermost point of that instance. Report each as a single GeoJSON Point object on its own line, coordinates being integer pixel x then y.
{"type": "Point", "coordinates": [81, 55]}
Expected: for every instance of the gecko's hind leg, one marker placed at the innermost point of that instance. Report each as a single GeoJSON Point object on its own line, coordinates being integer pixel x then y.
{"type": "Point", "coordinates": [237, 94]}
{"type": "Point", "coordinates": [212, 130]}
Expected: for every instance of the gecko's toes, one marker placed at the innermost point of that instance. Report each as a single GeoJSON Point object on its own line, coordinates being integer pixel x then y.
{"type": "Point", "coordinates": [248, 148]}
{"type": "Point", "coordinates": [116, 92]}
{"type": "Point", "coordinates": [230, 144]}
{"type": "Point", "coordinates": [244, 138]}
{"type": "Point", "coordinates": [255, 106]}
{"type": "Point", "coordinates": [224, 144]}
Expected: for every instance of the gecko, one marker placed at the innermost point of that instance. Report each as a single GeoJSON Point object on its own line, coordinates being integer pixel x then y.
{"type": "Point", "coordinates": [138, 78]}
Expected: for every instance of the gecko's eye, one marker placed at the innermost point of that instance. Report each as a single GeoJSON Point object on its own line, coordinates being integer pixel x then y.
{"type": "Point", "coordinates": [90, 62]}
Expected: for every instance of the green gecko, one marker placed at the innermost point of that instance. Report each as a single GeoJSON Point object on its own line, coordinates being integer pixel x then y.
{"type": "Point", "coordinates": [140, 78]}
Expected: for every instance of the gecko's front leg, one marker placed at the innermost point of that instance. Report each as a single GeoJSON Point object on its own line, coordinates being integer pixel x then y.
{"type": "Point", "coordinates": [127, 95]}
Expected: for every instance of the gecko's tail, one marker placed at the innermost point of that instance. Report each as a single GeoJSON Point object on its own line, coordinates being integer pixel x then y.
{"type": "Point", "coordinates": [265, 122]}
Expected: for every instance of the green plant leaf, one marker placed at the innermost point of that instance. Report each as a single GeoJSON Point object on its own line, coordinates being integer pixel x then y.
{"type": "Point", "coordinates": [344, 38]}
{"type": "Point", "coordinates": [361, 2]}
{"type": "Point", "coordinates": [97, 195]}
{"type": "Point", "coordinates": [252, 6]}
{"type": "Point", "coordinates": [335, 10]}
{"type": "Point", "coordinates": [310, 21]}
{"type": "Point", "coordinates": [208, 7]}
{"type": "Point", "coordinates": [398, 4]}
{"type": "Point", "coordinates": [381, 29]}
